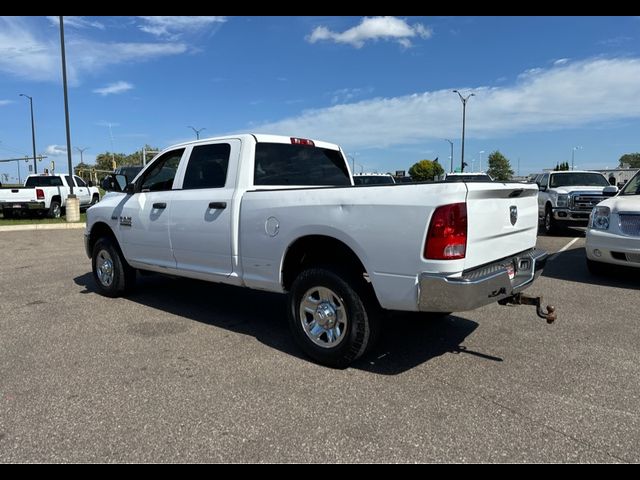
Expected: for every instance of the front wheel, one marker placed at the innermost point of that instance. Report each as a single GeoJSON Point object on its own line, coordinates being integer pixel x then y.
{"type": "Point", "coordinates": [112, 274]}
{"type": "Point", "coordinates": [549, 224]}
{"type": "Point", "coordinates": [333, 318]}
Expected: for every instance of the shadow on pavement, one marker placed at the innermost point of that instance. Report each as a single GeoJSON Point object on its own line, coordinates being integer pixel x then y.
{"type": "Point", "coordinates": [407, 340]}
{"type": "Point", "coordinates": [571, 265]}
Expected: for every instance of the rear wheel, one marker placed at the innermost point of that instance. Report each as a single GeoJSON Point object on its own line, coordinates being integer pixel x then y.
{"type": "Point", "coordinates": [112, 274]}
{"type": "Point", "coordinates": [333, 317]}
{"type": "Point", "coordinates": [54, 209]}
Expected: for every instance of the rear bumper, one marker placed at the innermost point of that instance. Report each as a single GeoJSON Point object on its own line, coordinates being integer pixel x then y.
{"type": "Point", "coordinates": [480, 286]}
{"type": "Point", "coordinates": [22, 205]}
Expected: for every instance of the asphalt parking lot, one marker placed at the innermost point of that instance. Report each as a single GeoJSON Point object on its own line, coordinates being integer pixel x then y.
{"type": "Point", "coordinates": [183, 371]}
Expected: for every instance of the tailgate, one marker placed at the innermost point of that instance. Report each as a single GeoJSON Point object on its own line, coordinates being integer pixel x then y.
{"type": "Point", "coordinates": [502, 221]}
{"type": "Point", "coordinates": [18, 195]}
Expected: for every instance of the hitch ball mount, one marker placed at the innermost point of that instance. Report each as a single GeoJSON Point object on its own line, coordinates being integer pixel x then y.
{"type": "Point", "coordinates": [522, 299]}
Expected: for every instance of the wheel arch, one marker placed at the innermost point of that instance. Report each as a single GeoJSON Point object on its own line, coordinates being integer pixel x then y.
{"type": "Point", "coordinates": [318, 250]}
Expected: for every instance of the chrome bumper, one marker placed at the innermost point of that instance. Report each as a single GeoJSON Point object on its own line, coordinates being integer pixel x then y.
{"type": "Point", "coordinates": [480, 286]}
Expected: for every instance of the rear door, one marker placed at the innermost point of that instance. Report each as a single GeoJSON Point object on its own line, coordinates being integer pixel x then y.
{"type": "Point", "coordinates": [82, 191]}
{"type": "Point", "coordinates": [201, 213]}
{"type": "Point", "coordinates": [502, 221]}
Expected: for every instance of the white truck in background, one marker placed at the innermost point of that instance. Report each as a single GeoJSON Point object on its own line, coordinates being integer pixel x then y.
{"type": "Point", "coordinates": [281, 214]}
{"type": "Point", "coordinates": [45, 195]}
{"type": "Point", "coordinates": [567, 197]}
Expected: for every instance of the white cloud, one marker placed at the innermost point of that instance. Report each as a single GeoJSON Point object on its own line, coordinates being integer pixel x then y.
{"type": "Point", "coordinates": [76, 22]}
{"type": "Point", "coordinates": [173, 27]}
{"type": "Point", "coordinates": [28, 53]}
{"type": "Point", "coordinates": [114, 88]}
{"type": "Point", "coordinates": [344, 95]}
{"type": "Point", "coordinates": [566, 96]}
{"type": "Point", "coordinates": [561, 61]}
{"type": "Point", "coordinates": [5, 102]}
{"type": "Point", "coordinates": [373, 28]}
{"type": "Point", "coordinates": [55, 150]}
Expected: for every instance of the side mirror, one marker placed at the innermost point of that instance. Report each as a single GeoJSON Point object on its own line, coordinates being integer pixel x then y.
{"type": "Point", "coordinates": [542, 188]}
{"type": "Point", "coordinates": [90, 183]}
{"type": "Point", "coordinates": [610, 191]}
{"type": "Point", "coordinates": [114, 183]}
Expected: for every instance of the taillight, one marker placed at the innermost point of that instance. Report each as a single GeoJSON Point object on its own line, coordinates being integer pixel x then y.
{"type": "Point", "coordinates": [302, 141]}
{"type": "Point", "coordinates": [39, 194]}
{"type": "Point", "coordinates": [447, 236]}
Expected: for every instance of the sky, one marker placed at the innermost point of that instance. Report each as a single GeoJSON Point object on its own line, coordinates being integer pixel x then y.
{"type": "Point", "coordinates": [545, 89]}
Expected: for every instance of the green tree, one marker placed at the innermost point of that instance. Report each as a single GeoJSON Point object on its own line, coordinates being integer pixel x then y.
{"type": "Point", "coordinates": [499, 166]}
{"type": "Point", "coordinates": [633, 159]}
{"type": "Point", "coordinates": [425, 170]}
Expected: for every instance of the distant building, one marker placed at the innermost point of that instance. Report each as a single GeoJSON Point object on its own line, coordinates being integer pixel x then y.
{"type": "Point", "coordinates": [618, 176]}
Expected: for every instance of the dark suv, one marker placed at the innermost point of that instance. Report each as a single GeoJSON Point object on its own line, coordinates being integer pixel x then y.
{"type": "Point", "coordinates": [129, 171]}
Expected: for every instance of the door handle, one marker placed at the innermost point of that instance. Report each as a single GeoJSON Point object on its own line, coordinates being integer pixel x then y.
{"type": "Point", "coordinates": [218, 205]}
{"type": "Point", "coordinates": [160, 205]}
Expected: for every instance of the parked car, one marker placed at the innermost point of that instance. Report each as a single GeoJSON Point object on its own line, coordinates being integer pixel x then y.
{"type": "Point", "coordinates": [613, 235]}
{"type": "Point", "coordinates": [272, 213]}
{"type": "Point", "coordinates": [567, 197]}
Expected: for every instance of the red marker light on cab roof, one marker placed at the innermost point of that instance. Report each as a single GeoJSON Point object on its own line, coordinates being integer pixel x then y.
{"type": "Point", "coordinates": [302, 141]}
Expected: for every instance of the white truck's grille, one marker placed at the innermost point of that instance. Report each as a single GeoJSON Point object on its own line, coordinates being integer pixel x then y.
{"type": "Point", "coordinates": [630, 224]}
{"type": "Point", "coordinates": [585, 202]}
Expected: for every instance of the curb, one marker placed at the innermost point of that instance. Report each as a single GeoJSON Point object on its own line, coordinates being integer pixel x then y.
{"type": "Point", "coordinates": [44, 226]}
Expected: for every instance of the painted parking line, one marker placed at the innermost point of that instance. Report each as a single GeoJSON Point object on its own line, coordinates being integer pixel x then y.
{"type": "Point", "coordinates": [566, 247]}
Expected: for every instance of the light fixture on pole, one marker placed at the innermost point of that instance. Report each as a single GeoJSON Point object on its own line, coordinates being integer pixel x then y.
{"type": "Point", "coordinates": [481, 152]}
{"type": "Point", "coordinates": [451, 157]}
{"type": "Point", "coordinates": [33, 132]}
{"type": "Point", "coordinates": [464, 100]}
{"type": "Point", "coordinates": [197, 131]}
{"type": "Point", "coordinates": [573, 152]}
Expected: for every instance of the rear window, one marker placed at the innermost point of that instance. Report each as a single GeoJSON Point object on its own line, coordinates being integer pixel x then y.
{"type": "Point", "coordinates": [43, 181]}
{"type": "Point", "coordinates": [468, 178]}
{"type": "Point", "coordinates": [372, 179]}
{"type": "Point", "coordinates": [284, 164]}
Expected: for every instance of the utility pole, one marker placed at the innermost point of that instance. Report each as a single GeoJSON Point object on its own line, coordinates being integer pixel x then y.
{"type": "Point", "coordinates": [451, 157]}
{"type": "Point", "coordinates": [81, 150]}
{"type": "Point", "coordinates": [197, 131]}
{"type": "Point", "coordinates": [464, 115]}
{"type": "Point", "coordinates": [33, 132]}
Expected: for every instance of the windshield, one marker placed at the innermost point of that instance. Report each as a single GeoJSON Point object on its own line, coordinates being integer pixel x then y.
{"type": "Point", "coordinates": [575, 179]}
{"type": "Point", "coordinates": [632, 187]}
{"type": "Point", "coordinates": [372, 179]}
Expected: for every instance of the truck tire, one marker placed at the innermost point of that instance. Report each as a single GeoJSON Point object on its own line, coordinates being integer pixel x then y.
{"type": "Point", "coordinates": [111, 272]}
{"type": "Point", "coordinates": [334, 318]}
{"type": "Point", "coordinates": [549, 224]}
{"type": "Point", "coordinates": [54, 209]}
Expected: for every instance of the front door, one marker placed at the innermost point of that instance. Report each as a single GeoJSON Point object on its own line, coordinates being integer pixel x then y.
{"type": "Point", "coordinates": [143, 217]}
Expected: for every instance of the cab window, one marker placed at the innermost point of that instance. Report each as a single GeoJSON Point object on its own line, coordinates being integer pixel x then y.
{"type": "Point", "coordinates": [160, 175]}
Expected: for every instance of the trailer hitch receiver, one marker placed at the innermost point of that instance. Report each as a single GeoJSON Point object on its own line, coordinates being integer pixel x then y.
{"type": "Point", "coordinates": [522, 299]}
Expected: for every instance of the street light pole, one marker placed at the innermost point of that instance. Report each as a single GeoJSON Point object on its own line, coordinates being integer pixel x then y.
{"type": "Point", "coordinates": [451, 157]}
{"type": "Point", "coordinates": [464, 114]}
{"type": "Point", "coordinates": [81, 150]}
{"type": "Point", "coordinates": [33, 133]}
{"type": "Point", "coordinates": [481, 152]}
{"type": "Point", "coordinates": [573, 152]}
{"type": "Point", "coordinates": [197, 131]}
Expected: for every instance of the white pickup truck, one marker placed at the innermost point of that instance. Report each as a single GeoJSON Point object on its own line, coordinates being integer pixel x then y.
{"type": "Point", "coordinates": [45, 194]}
{"type": "Point", "coordinates": [567, 197]}
{"type": "Point", "coordinates": [281, 214]}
